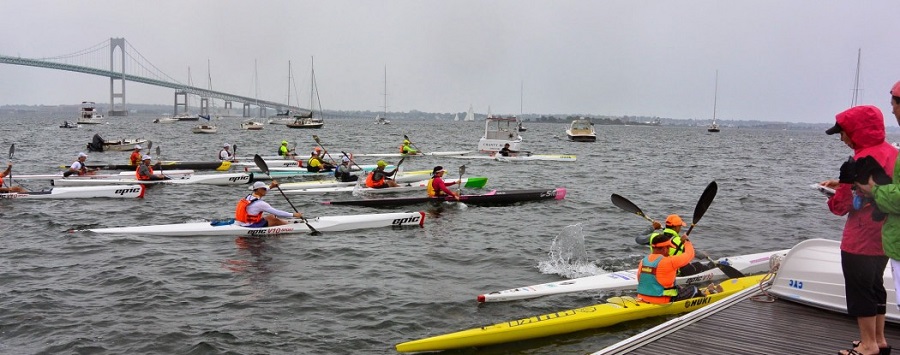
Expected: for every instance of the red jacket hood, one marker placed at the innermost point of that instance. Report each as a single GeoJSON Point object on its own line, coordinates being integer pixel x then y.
{"type": "Point", "coordinates": [864, 125]}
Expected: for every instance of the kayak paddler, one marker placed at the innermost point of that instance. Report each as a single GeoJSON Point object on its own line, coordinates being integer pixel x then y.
{"type": "Point", "coordinates": [225, 154]}
{"type": "Point", "coordinates": [343, 173]}
{"type": "Point", "coordinates": [145, 170]}
{"type": "Point", "coordinates": [378, 178]}
{"type": "Point", "coordinates": [135, 158]}
{"type": "Point", "coordinates": [315, 163]}
{"type": "Point", "coordinates": [673, 233]}
{"type": "Point", "coordinates": [11, 188]}
{"type": "Point", "coordinates": [284, 151]}
{"type": "Point", "coordinates": [437, 187]}
{"type": "Point", "coordinates": [656, 272]}
{"type": "Point", "coordinates": [249, 210]}
{"type": "Point", "coordinates": [78, 167]}
{"type": "Point", "coordinates": [405, 148]}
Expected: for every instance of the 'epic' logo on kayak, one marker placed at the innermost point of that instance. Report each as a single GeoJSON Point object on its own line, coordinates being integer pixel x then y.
{"type": "Point", "coordinates": [401, 221]}
{"type": "Point", "coordinates": [134, 190]}
{"type": "Point", "coordinates": [697, 302]}
{"type": "Point", "coordinates": [238, 178]}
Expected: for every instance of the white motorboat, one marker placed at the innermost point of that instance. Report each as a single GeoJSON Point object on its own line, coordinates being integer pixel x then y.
{"type": "Point", "coordinates": [294, 226]}
{"type": "Point", "coordinates": [381, 120]}
{"type": "Point", "coordinates": [204, 129]}
{"type": "Point", "coordinates": [166, 120]}
{"type": "Point", "coordinates": [89, 114]}
{"type": "Point", "coordinates": [581, 130]}
{"type": "Point", "coordinates": [499, 131]}
{"type": "Point", "coordinates": [811, 274]}
{"type": "Point", "coordinates": [98, 144]}
{"type": "Point", "coordinates": [252, 126]}
{"type": "Point", "coordinates": [627, 279]}
{"type": "Point", "coordinates": [106, 191]}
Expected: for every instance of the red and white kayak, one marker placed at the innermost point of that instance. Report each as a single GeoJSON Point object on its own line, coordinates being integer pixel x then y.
{"type": "Point", "coordinates": [322, 224]}
{"type": "Point", "coordinates": [627, 279]}
{"type": "Point", "coordinates": [107, 191]}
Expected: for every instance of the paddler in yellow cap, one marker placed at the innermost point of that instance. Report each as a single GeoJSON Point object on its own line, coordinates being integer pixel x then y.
{"type": "Point", "coordinates": [405, 148]}
{"type": "Point", "coordinates": [379, 179]}
{"type": "Point", "coordinates": [284, 151]}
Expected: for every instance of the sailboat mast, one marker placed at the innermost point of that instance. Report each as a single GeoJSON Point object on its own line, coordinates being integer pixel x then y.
{"type": "Point", "coordinates": [289, 84]}
{"type": "Point", "coordinates": [716, 96]}
{"type": "Point", "coordinates": [856, 82]}
{"type": "Point", "coordinates": [385, 92]}
{"type": "Point", "coordinates": [521, 96]}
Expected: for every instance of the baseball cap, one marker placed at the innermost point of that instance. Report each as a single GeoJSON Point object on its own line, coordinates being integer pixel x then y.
{"type": "Point", "coordinates": [226, 145]}
{"type": "Point", "coordinates": [406, 141]}
{"type": "Point", "coordinates": [314, 152]}
{"type": "Point", "coordinates": [82, 155]}
{"type": "Point", "coordinates": [437, 169]}
{"type": "Point", "coordinates": [146, 157]}
{"type": "Point", "coordinates": [283, 142]}
{"type": "Point", "coordinates": [673, 220]}
{"type": "Point", "coordinates": [138, 147]}
{"type": "Point", "coordinates": [833, 130]}
{"type": "Point", "coordinates": [345, 159]}
{"type": "Point", "coordinates": [895, 91]}
{"type": "Point", "coordinates": [259, 185]}
{"type": "Point", "coordinates": [381, 163]}
{"type": "Point", "coordinates": [661, 240]}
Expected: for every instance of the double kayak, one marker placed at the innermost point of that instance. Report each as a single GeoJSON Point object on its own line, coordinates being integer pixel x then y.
{"type": "Point", "coordinates": [627, 280]}
{"type": "Point", "coordinates": [107, 191]}
{"type": "Point", "coordinates": [165, 165]}
{"type": "Point", "coordinates": [471, 183]}
{"type": "Point", "coordinates": [493, 198]}
{"type": "Point", "coordinates": [615, 310]}
{"type": "Point", "coordinates": [294, 226]}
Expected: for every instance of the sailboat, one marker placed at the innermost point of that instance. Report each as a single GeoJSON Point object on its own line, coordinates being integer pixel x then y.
{"type": "Point", "coordinates": [714, 127]}
{"type": "Point", "coordinates": [307, 121]}
{"type": "Point", "coordinates": [856, 81]}
{"type": "Point", "coordinates": [378, 118]}
{"type": "Point", "coordinates": [470, 116]}
{"type": "Point", "coordinates": [456, 117]}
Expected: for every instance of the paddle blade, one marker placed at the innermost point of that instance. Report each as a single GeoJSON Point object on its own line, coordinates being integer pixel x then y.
{"type": "Point", "coordinates": [261, 164]}
{"type": "Point", "coordinates": [730, 271]}
{"type": "Point", "coordinates": [627, 206]}
{"type": "Point", "coordinates": [316, 138]}
{"type": "Point", "coordinates": [462, 170]}
{"type": "Point", "coordinates": [157, 153]}
{"type": "Point", "coordinates": [12, 150]}
{"type": "Point", "coordinates": [149, 145]}
{"type": "Point", "coordinates": [706, 199]}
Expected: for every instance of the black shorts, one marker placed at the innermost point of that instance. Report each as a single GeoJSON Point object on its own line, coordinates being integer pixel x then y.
{"type": "Point", "coordinates": [864, 284]}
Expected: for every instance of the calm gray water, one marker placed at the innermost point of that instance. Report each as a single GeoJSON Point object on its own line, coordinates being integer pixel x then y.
{"type": "Point", "coordinates": [363, 292]}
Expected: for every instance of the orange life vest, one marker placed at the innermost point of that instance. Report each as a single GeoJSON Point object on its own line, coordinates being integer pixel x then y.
{"type": "Point", "coordinates": [135, 158]}
{"type": "Point", "coordinates": [371, 182]}
{"type": "Point", "coordinates": [138, 174]}
{"type": "Point", "coordinates": [240, 212]}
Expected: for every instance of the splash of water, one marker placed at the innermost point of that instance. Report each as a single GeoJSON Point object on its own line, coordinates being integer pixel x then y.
{"type": "Point", "coordinates": [567, 256]}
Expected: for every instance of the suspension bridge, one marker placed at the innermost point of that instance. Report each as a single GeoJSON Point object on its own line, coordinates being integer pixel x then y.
{"type": "Point", "coordinates": [122, 63]}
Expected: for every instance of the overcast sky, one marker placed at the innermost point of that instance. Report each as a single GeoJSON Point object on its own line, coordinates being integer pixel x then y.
{"type": "Point", "coordinates": [778, 60]}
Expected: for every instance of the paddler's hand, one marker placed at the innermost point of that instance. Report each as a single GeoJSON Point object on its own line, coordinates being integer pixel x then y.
{"type": "Point", "coordinates": [456, 196]}
{"type": "Point", "coordinates": [273, 185]}
{"type": "Point", "coordinates": [656, 225]}
{"type": "Point", "coordinates": [297, 215]}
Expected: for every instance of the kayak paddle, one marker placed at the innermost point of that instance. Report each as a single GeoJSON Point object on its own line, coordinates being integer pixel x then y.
{"type": "Point", "coordinates": [728, 270]}
{"type": "Point", "coordinates": [261, 163]}
{"type": "Point", "coordinates": [706, 199]}
{"type": "Point", "coordinates": [316, 138]}
{"type": "Point", "coordinates": [397, 167]}
{"type": "Point", "coordinates": [149, 145]}
{"type": "Point", "coordinates": [629, 206]}
{"type": "Point", "coordinates": [462, 171]}
{"type": "Point", "coordinates": [12, 150]}
{"type": "Point", "coordinates": [159, 160]}
{"type": "Point", "coordinates": [413, 144]}
{"type": "Point", "coordinates": [234, 152]}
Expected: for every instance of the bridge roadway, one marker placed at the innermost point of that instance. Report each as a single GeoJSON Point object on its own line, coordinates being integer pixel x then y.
{"type": "Point", "coordinates": [128, 77]}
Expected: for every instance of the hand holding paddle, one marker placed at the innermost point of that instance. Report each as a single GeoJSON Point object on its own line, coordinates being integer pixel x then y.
{"type": "Point", "coordinates": [351, 159]}
{"type": "Point", "coordinates": [462, 171]}
{"type": "Point", "coordinates": [397, 167]}
{"type": "Point", "coordinates": [261, 163]}
{"type": "Point", "coordinates": [316, 138]}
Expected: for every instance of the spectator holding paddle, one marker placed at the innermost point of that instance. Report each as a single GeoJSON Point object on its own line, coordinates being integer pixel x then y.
{"type": "Point", "coordinates": [379, 179]}
{"type": "Point", "coordinates": [11, 188]}
{"type": "Point", "coordinates": [862, 257]}
{"type": "Point", "coordinates": [437, 187]}
{"type": "Point", "coordinates": [249, 210]}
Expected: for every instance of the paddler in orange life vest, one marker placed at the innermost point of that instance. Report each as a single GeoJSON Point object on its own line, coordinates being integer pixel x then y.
{"type": "Point", "coordinates": [135, 158]}
{"type": "Point", "coordinates": [4, 174]}
{"type": "Point", "coordinates": [249, 210]}
{"type": "Point", "coordinates": [437, 187]}
{"type": "Point", "coordinates": [144, 171]}
{"type": "Point", "coordinates": [673, 233]}
{"type": "Point", "coordinates": [378, 178]}
{"type": "Point", "coordinates": [656, 272]}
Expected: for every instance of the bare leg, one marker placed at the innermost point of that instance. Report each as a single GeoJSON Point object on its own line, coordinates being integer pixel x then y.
{"type": "Point", "coordinates": [274, 221]}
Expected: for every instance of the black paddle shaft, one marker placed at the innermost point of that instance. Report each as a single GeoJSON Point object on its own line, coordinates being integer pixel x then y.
{"type": "Point", "coordinates": [261, 163]}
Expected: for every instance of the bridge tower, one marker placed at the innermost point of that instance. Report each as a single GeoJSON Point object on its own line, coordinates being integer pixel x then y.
{"type": "Point", "coordinates": [113, 95]}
